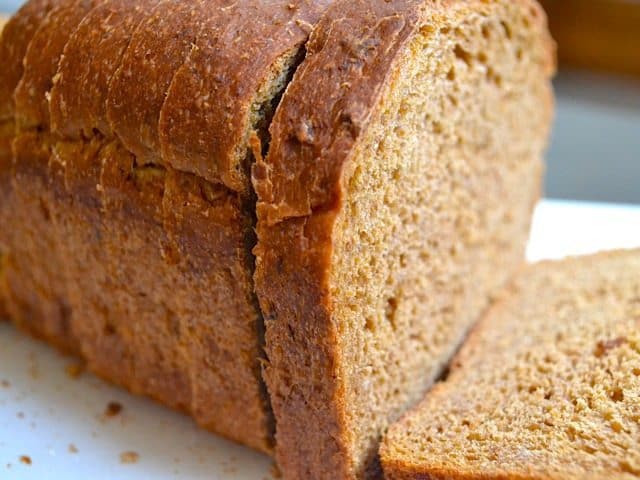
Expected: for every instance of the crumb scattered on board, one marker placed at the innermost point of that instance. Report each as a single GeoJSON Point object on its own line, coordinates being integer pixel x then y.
{"type": "Point", "coordinates": [113, 409]}
{"type": "Point", "coordinates": [26, 459]}
{"type": "Point", "coordinates": [74, 370]}
{"type": "Point", "coordinates": [34, 368]}
{"type": "Point", "coordinates": [129, 457]}
{"type": "Point", "coordinates": [5, 383]}
{"type": "Point", "coordinates": [72, 448]}
{"type": "Point", "coordinates": [20, 415]}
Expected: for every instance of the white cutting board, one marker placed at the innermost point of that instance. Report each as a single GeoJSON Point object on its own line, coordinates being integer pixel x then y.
{"type": "Point", "coordinates": [47, 415]}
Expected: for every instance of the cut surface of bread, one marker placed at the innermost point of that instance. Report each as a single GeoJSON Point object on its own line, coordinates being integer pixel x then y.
{"type": "Point", "coordinates": [395, 199]}
{"type": "Point", "coordinates": [546, 387]}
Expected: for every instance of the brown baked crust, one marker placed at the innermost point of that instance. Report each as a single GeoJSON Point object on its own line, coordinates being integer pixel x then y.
{"type": "Point", "coordinates": [41, 61]}
{"type": "Point", "coordinates": [157, 49]}
{"type": "Point", "coordinates": [300, 187]}
{"type": "Point", "coordinates": [16, 35]}
{"type": "Point", "coordinates": [81, 83]}
{"type": "Point", "coordinates": [195, 130]}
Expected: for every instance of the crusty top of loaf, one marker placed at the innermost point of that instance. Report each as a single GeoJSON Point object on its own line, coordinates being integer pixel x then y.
{"type": "Point", "coordinates": [545, 387]}
{"type": "Point", "coordinates": [41, 61]}
{"type": "Point", "coordinates": [91, 56]}
{"type": "Point", "coordinates": [205, 121]}
{"type": "Point", "coordinates": [14, 40]}
{"type": "Point", "coordinates": [157, 50]}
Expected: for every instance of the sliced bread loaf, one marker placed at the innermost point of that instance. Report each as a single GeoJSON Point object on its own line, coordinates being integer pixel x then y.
{"type": "Point", "coordinates": [394, 201]}
{"type": "Point", "coordinates": [546, 387]}
{"type": "Point", "coordinates": [148, 269]}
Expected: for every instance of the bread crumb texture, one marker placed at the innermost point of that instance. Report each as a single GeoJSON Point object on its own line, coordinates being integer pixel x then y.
{"type": "Point", "coordinates": [548, 386]}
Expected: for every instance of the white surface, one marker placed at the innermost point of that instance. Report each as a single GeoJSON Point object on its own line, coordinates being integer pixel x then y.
{"type": "Point", "coordinates": [43, 410]}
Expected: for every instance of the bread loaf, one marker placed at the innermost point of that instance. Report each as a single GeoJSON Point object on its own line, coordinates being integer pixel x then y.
{"type": "Point", "coordinates": [546, 386]}
{"type": "Point", "coordinates": [394, 200]}
{"type": "Point", "coordinates": [148, 269]}
{"type": "Point", "coordinates": [395, 160]}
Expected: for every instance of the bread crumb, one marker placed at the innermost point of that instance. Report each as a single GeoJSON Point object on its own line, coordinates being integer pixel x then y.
{"type": "Point", "coordinates": [26, 459]}
{"type": "Point", "coordinates": [5, 384]}
{"type": "Point", "coordinates": [34, 369]}
{"type": "Point", "coordinates": [74, 370]}
{"type": "Point", "coordinates": [72, 448]}
{"type": "Point", "coordinates": [20, 415]}
{"type": "Point", "coordinates": [113, 409]}
{"type": "Point", "coordinates": [129, 457]}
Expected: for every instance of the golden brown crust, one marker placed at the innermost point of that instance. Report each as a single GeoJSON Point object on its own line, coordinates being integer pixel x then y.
{"type": "Point", "coordinates": [15, 39]}
{"type": "Point", "coordinates": [194, 128]}
{"type": "Point", "coordinates": [41, 61]}
{"type": "Point", "coordinates": [147, 273]}
{"type": "Point", "coordinates": [158, 48]}
{"type": "Point", "coordinates": [294, 286]}
{"type": "Point", "coordinates": [91, 56]}
{"type": "Point", "coordinates": [37, 296]}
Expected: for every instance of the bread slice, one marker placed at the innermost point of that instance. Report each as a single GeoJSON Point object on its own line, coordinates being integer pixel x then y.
{"type": "Point", "coordinates": [37, 297]}
{"type": "Point", "coordinates": [394, 201]}
{"type": "Point", "coordinates": [546, 386]}
{"type": "Point", "coordinates": [14, 39]}
{"type": "Point", "coordinates": [3, 148]}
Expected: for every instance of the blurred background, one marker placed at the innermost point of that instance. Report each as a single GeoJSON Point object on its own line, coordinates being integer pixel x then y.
{"type": "Point", "coordinates": [595, 152]}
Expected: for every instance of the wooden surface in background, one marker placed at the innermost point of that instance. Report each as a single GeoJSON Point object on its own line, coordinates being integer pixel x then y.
{"type": "Point", "coordinates": [599, 35]}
